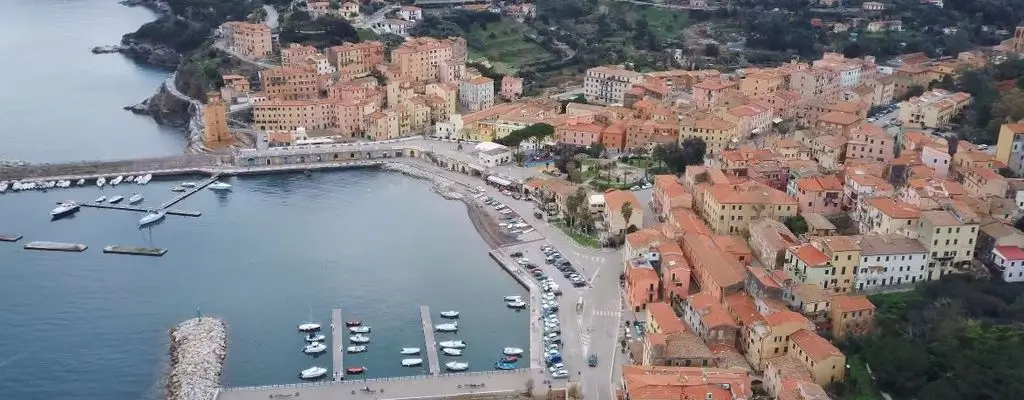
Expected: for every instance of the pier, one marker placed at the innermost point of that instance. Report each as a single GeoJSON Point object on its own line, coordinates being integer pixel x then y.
{"type": "Point", "coordinates": [177, 199]}
{"type": "Point", "coordinates": [182, 213]}
{"type": "Point", "coordinates": [337, 345]}
{"type": "Point", "coordinates": [55, 246]}
{"type": "Point", "coordinates": [431, 349]}
{"type": "Point", "coordinates": [10, 238]}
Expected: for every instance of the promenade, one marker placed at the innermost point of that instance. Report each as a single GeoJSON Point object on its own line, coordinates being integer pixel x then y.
{"type": "Point", "coordinates": [508, 383]}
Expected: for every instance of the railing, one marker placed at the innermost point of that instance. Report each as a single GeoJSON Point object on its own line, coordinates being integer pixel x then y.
{"type": "Point", "coordinates": [521, 371]}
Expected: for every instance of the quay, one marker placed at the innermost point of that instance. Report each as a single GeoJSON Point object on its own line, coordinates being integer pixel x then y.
{"type": "Point", "coordinates": [134, 250]}
{"type": "Point", "coordinates": [182, 213]}
{"type": "Point", "coordinates": [536, 350]}
{"type": "Point", "coordinates": [55, 246]}
{"type": "Point", "coordinates": [431, 349]}
{"type": "Point", "coordinates": [10, 238]}
{"type": "Point", "coordinates": [337, 345]}
{"type": "Point", "coordinates": [177, 199]}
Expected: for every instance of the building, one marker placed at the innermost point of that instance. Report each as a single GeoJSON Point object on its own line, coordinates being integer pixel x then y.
{"type": "Point", "coordinates": [851, 315]}
{"type": "Point", "coordinates": [356, 59]}
{"type": "Point", "coordinates": [769, 240]}
{"type": "Point", "coordinates": [984, 182]}
{"type": "Point", "coordinates": [476, 94]}
{"type": "Point", "coordinates": [826, 363]}
{"type": "Point", "coordinates": [872, 6]}
{"type": "Point", "coordinates": [609, 84]}
{"type": "Point", "coordinates": [681, 349]}
{"type": "Point", "coordinates": [869, 142]}
{"type": "Point", "coordinates": [712, 92]}
{"type": "Point", "coordinates": [808, 265]}
{"type": "Point", "coordinates": [289, 84]}
{"type": "Point", "coordinates": [843, 253]}
{"type": "Point", "coordinates": [684, 383]}
{"type": "Point", "coordinates": [821, 83]}
{"type": "Point", "coordinates": [883, 215]}
{"type": "Point", "coordinates": [706, 317]}
{"type": "Point", "coordinates": [890, 260]}
{"type": "Point", "coordinates": [818, 194]}
{"type": "Point", "coordinates": [718, 134]}
{"type": "Point", "coordinates": [215, 123]}
{"type": "Point", "coordinates": [1009, 260]}
{"type": "Point", "coordinates": [716, 272]}
{"type": "Point", "coordinates": [295, 54]}
{"type": "Point", "coordinates": [933, 109]}
{"type": "Point", "coordinates": [949, 236]}
{"type": "Point", "coordinates": [491, 154]}
{"type": "Point", "coordinates": [252, 41]}
{"type": "Point", "coordinates": [787, 378]}
{"type": "Point", "coordinates": [511, 87]}
{"type": "Point", "coordinates": [618, 216]}
{"type": "Point", "coordinates": [1010, 146]}
{"type": "Point", "coordinates": [668, 194]}
{"type": "Point", "coordinates": [410, 13]}
{"type": "Point", "coordinates": [729, 208]}
{"type": "Point", "coordinates": [641, 284]}
{"type": "Point", "coordinates": [770, 336]}
{"type": "Point", "coordinates": [418, 59]}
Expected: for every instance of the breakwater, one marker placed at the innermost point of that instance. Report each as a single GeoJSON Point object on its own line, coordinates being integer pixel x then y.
{"type": "Point", "coordinates": [443, 186]}
{"type": "Point", "coordinates": [198, 348]}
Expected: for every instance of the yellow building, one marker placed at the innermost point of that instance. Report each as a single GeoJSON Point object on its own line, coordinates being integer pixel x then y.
{"type": "Point", "coordinates": [883, 215]}
{"type": "Point", "coordinates": [1010, 147]}
{"type": "Point", "coordinates": [843, 254]}
{"type": "Point", "coordinates": [718, 134]}
{"type": "Point", "coordinates": [950, 236]}
{"type": "Point", "coordinates": [808, 265]}
{"type": "Point", "coordinates": [289, 115]}
{"type": "Point", "coordinates": [761, 83]}
{"type": "Point", "coordinates": [729, 208]}
{"type": "Point", "coordinates": [615, 200]}
{"type": "Point", "coordinates": [251, 41]}
{"type": "Point", "coordinates": [417, 58]}
{"type": "Point", "coordinates": [609, 84]}
{"type": "Point", "coordinates": [933, 109]}
{"type": "Point", "coordinates": [769, 336]}
{"type": "Point", "coordinates": [851, 315]}
{"type": "Point", "coordinates": [826, 363]}
{"type": "Point", "coordinates": [215, 122]}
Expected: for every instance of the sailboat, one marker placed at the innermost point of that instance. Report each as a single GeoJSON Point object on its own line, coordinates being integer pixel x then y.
{"type": "Point", "coordinates": [136, 198]}
{"type": "Point", "coordinates": [309, 326]}
{"type": "Point", "coordinates": [152, 217]}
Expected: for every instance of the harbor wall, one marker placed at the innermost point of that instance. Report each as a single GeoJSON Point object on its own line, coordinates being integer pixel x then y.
{"type": "Point", "coordinates": [198, 348]}
{"type": "Point", "coordinates": [175, 165]}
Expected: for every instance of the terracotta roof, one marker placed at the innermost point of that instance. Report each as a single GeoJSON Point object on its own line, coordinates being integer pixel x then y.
{"type": "Point", "coordinates": [644, 238]}
{"type": "Point", "coordinates": [881, 245]}
{"type": "Point", "coordinates": [895, 209]}
{"type": "Point", "coordinates": [820, 183]}
{"type": "Point", "coordinates": [856, 303]}
{"type": "Point", "coordinates": [816, 347]}
{"type": "Point", "coordinates": [784, 317]}
{"type": "Point", "coordinates": [809, 293]}
{"type": "Point", "coordinates": [838, 243]}
{"type": "Point", "coordinates": [839, 118]}
{"type": "Point", "coordinates": [684, 383]}
{"type": "Point", "coordinates": [809, 255]}
{"type": "Point", "coordinates": [724, 270]}
{"type": "Point", "coordinates": [710, 310]}
{"type": "Point", "coordinates": [743, 308]}
{"type": "Point", "coordinates": [666, 318]}
{"type": "Point", "coordinates": [1010, 253]}
{"type": "Point", "coordinates": [749, 193]}
{"type": "Point", "coordinates": [688, 222]}
{"type": "Point", "coordinates": [615, 199]}
{"type": "Point", "coordinates": [1015, 128]}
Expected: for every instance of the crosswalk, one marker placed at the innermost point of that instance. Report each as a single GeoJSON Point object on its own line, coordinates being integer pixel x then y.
{"type": "Point", "coordinates": [607, 313]}
{"type": "Point", "coordinates": [585, 340]}
{"type": "Point", "coordinates": [593, 259]}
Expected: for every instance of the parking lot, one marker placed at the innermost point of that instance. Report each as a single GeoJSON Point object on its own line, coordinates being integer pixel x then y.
{"type": "Point", "coordinates": [511, 223]}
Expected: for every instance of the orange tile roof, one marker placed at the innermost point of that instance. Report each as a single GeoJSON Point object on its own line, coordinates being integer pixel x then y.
{"type": "Point", "coordinates": [851, 303]}
{"type": "Point", "coordinates": [743, 308]}
{"type": "Point", "coordinates": [672, 383]}
{"type": "Point", "coordinates": [615, 199]}
{"type": "Point", "coordinates": [710, 310]}
{"type": "Point", "coordinates": [820, 183]}
{"type": "Point", "coordinates": [986, 174]}
{"type": "Point", "coordinates": [896, 209]}
{"type": "Point", "coordinates": [816, 347]}
{"type": "Point", "coordinates": [784, 317]}
{"type": "Point", "coordinates": [839, 243]}
{"type": "Point", "coordinates": [731, 244]}
{"type": "Point", "coordinates": [839, 118]}
{"type": "Point", "coordinates": [688, 222]}
{"type": "Point", "coordinates": [644, 238]}
{"type": "Point", "coordinates": [749, 193]}
{"type": "Point", "coordinates": [809, 255]}
{"type": "Point", "coordinates": [666, 318]}
{"type": "Point", "coordinates": [724, 270]}
{"type": "Point", "coordinates": [1015, 128]}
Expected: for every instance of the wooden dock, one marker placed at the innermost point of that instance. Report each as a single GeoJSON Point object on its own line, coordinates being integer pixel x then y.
{"type": "Point", "coordinates": [177, 199]}
{"type": "Point", "coordinates": [108, 206]}
{"type": "Point", "coordinates": [55, 246]}
{"type": "Point", "coordinates": [10, 238]}
{"type": "Point", "coordinates": [337, 345]}
{"type": "Point", "coordinates": [135, 250]}
{"type": "Point", "coordinates": [431, 349]}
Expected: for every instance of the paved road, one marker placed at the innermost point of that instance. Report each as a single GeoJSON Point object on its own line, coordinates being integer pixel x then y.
{"type": "Point", "coordinates": [395, 388]}
{"type": "Point", "coordinates": [672, 6]}
{"type": "Point", "coordinates": [375, 18]}
{"type": "Point", "coordinates": [273, 18]}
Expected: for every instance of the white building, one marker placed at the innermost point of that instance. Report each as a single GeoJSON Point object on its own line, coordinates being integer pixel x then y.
{"type": "Point", "coordinates": [491, 154]}
{"type": "Point", "coordinates": [476, 94]}
{"type": "Point", "coordinates": [410, 13]}
{"type": "Point", "coordinates": [596, 203]}
{"type": "Point", "coordinates": [1010, 261]}
{"type": "Point", "coordinates": [889, 260]}
{"type": "Point", "coordinates": [322, 64]}
{"type": "Point", "coordinates": [450, 129]}
{"type": "Point", "coordinates": [608, 85]}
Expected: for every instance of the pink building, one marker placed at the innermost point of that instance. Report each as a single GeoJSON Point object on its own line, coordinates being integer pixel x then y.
{"type": "Point", "coordinates": [711, 92]}
{"type": "Point", "coordinates": [511, 87]}
{"type": "Point", "coordinates": [936, 157]}
{"type": "Point", "coordinates": [579, 130]}
{"type": "Point", "coordinates": [818, 194]}
{"type": "Point", "coordinates": [869, 142]}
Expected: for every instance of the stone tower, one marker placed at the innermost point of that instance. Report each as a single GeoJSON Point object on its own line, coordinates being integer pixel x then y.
{"type": "Point", "coordinates": [215, 122]}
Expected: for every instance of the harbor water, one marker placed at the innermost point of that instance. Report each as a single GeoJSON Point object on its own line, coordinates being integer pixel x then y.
{"type": "Point", "coordinates": [264, 257]}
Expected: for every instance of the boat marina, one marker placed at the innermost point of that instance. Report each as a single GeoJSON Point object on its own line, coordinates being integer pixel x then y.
{"type": "Point", "coordinates": [337, 338]}
{"type": "Point", "coordinates": [428, 333]}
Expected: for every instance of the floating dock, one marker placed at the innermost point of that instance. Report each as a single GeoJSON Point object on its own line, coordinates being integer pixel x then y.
{"type": "Point", "coordinates": [431, 349]}
{"type": "Point", "coordinates": [177, 199]}
{"type": "Point", "coordinates": [182, 213]}
{"type": "Point", "coordinates": [10, 238]}
{"type": "Point", "coordinates": [55, 246]}
{"type": "Point", "coordinates": [338, 330]}
{"type": "Point", "coordinates": [135, 250]}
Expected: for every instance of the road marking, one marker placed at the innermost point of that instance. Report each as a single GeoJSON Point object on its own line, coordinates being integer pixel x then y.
{"type": "Point", "coordinates": [607, 313]}
{"type": "Point", "coordinates": [585, 341]}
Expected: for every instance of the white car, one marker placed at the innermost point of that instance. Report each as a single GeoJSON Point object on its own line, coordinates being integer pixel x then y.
{"type": "Point", "coordinates": [551, 352]}
{"type": "Point", "coordinates": [548, 296]}
{"type": "Point", "coordinates": [556, 367]}
{"type": "Point", "coordinates": [560, 374]}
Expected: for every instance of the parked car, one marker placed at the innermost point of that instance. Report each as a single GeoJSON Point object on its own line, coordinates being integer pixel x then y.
{"type": "Point", "coordinates": [517, 254]}
{"type": "Point", "coordinates": [592, 360]}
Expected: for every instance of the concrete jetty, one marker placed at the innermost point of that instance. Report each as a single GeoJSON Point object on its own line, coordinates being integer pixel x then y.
{"type": "Point", "coordinates": [55, 246]}
{"type": "Point", "coordinates": [428, 334]}
{"type": "Point", "coordinates": [122, 207]}
{"type": "Point", "coordinates": [198, 348]}
{"type": "Point", "coordinates": [338, 331]}
{"type": "Point", "coordinates": [177, 199]}
{"type": "Point", "coordinates": [10, 238]}
{"type": "Point", "coordinates": [134, 250]}
{"type": "Point", "coordinates": [536, 350]}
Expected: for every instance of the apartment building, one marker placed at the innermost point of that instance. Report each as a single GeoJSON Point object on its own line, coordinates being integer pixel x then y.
{"type": "Point", "coordinates": [769, 240]}
{"type": "Point", "coordinates": [579, 131]}
{"type": "Point", "coordinates": [617, 222]}
{"type": "Point", "coordinates": [418, 58]}
{"type": "Point", "coordinates": [826, 363]}
{"type": "Point", "coordinates": [609, 84]}
{"type": "Point", "coordinates": [838, 123]}
{"type": "Point", "coordinates": [787, 378]}
{"type": "Point", "coordinates": [762, 83]}
{"type": "Point", "coordinates": [933, 109]}
{"type": "Point", "coordinates": [295, 54]}
{"type": "Point", "coordinates": [706, 317]}
{"type": "Point", "coordinates": [289, 84]}
{"type": "Point", "coordinates": [668, 194]}
{"type": "Point", "coordinates": [729, 208]}
{"type": "Point", "coordinates": [984, 182]}
{"type": "Point", "coordinates": [641, 284]}
{"type": "Point", "coordinates": [252, 41]}
{"type": "Point", "coordinates": [289, 115]}
{"type": "Point", "coordinates": [663, 382]}
{"type": "Point", "coordinates": [821, 83]}
{"type": "Point", "coordinates": [890, 260]}
{"type": "Point", "coordinates": [817, 194]}
{"type": "Point", "coordinates": [885, 216]}
{"type": "Point", "coordinates": [476, 94]}
{"type": "Point", "coordinates": [712, 92]}
{"type": "Point", "coordinates": [1010, 147]}
{"type": "Point", "coordinates": [843, 253]}
{"type": "Point", "coordinates": [750, 119]}
{"type": "Point", "coordinates": [719, 135]}
{"type": "Point", "coordinates": [949, 235]}
{"type": "Point", "coordinates": [769, 336]}
{"type": "Point", "coordinates": [870, 142]}
{"type": "Point", "coordinates": [356, 59]}
{"type": "Point", "coordinates": [851, 315]}
{"type": "Point", "coordinates": [716, 273]}
{"type": "Point", "coordinates": [1009, 260]}
{"type": "Point", "coordinates": [511, 87]}
{"type": "Point", "coordinates": [808, 265]}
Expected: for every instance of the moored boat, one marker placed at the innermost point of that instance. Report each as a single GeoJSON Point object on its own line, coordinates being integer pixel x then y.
{"type": "Point", "coordinates": [219, 186]}
{"type": "Point", "coordinates": [355, 349]}
{"type": "Point", "coordinates": [101, 181]}
{"type": "Point", "coordinates": [451, 352]}
{"type": "Point", "coordinates": [355, 370]}
{"type": "Point", "coordinates": [359, 329]}
{"type": "Point", "coordinates": [116, 181]}
{"type": "Point", "coordinates": [152, 217]}
{"type": "Point", "coordinates": [449, 327]}
{"type": "Point", "coordinates": [509, 359]}
{"type": "Point", "coordinates": [312, 372]}
{"type": "Point", "coordinates": [145, 179]}
{"type": "Point", "coordinates": [410, 350]}
{"type": "Point", "coordinates": [135, 199]}
{"type": "Point", "coordinates": [314, 348]}
{"type": "Point", "coordinates": [188, 184]}
{"type": "Point", "coordinates": [130, 179]}
{"type": "Point", "coordinates": [450, 314]}
{"type": "Point", "coordinates": [353, 322]}
{"type": "Point", "coordinates": [65, 208]}
{"type": "Point", "coordinates": [115, 199]}
{"type": "Point", "coordinates": [179, 189]}
{"type": "Point", "coordinates": [411, 362]}
{"type": "Point", "coordinates": [359, 339]}
{"type": "Point", "coordinates": [453, 344]}
{"type": "Point", "coordinates": [513, 298]}
{"type": "Point", "coordinates": [504, 366]}
{"type": "Point", "coordinates": [3, 187]}
{"type": "Point", "coordinates": [81, 182]}
{"type": "Point", "coordinates": [309, 326]}
{"type": "Point", "coordinates": [512, 351]}
{"type": "Point", "coordinates": [315, 337]}
{"type": "Point", "coordinates": [455, 366]}
{"type": "Point", "coordinates": [516, 304]}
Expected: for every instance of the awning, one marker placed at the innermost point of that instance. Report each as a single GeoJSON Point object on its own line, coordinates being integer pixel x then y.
{"type": "Point", "coordinates": [499, 181]}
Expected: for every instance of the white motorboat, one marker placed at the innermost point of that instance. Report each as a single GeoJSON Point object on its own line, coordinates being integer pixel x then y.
{"type": "Point", "coordinates": [355, 349]}
{"type": "Point", "coordinates": [513, 298]}
{"type": "Point", "coordinates": [145, 179]}
{"type": "Point", "coordinates": [359, 339]}
{"type": "Point", "coordinates": [116, 181]}
{"type": "Point", "coordinates": [411, 362]}
{"type": "Point", "coordinates": [179, 189]}
{"type": "Point", "coordinates": [130, 179]}
{"type": "Point", "coordinates": [101, 181]}
{"type": "Point", "coordinates": [450, 314]}
{"type": "Point", "coordinates": [219, 186]}
{"type": "Point", "coordinates": [135, 199]}
{"type": "Point", "coordinates": [512, 351]}
{"type": "Point", "coordinates": [410, 350]}
{"type": "Point", "coordinates": [312, 372]}
{"type": "Point", "coordinates": [359, 329]}
{"type": "Point", "coordinates": [115, 199]}
{"type": "Point", "coordinates": [451, 352]}
{"type": "Point", "coordinates": [516, 304]}
{"type": "Point", "coordinates": [3, 187]}
{"type": "Point", "coordinates": [51, 184]}
{"type": "Point", "coordinates": [81, 182]}
{"type": "Point", "coordinates": [16, 186]}
{"type": "Point", "coordinates": [314, 348]}
{"type": "Point", "coordinates": [315, 337]}
{"type": "Point", "coordinates": [452, 344]}
{"type": "Point", "coordinates": [188, 184]}
{"type": "Point", "coordinates": [309, 327]}
{"type": "Point", "coordinates": [449, 327]}
{"type": "Point", "coordinates": [152, 217]}
{"type": "Point", "coordinates": [65, 208]}
{"type": "Point", "coordinates": [100, 199]}
{"type": "Point", "coordinates": [456, 366]}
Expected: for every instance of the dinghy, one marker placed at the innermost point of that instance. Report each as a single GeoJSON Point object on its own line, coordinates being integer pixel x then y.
{"type": "Point", "coordinates": [452, 344]}
{"type": "Point", "coordinates": [449, 327]}
{"type": "Point", "coordinates": [359, 329]}
{"type": "Point", "coordinates": [312, 372]}
{"type": "Point", "coordinates": [355, 370]}
{"type": "Point", "coordinates": [412, 362]}
{"type": "Point", "coordinates": [450, 314]}
{"type": "Point", "coordinates": [355, 349]}
{"type": "Point", "coordinates": [410, 350]}
{"type": "Point", "coordinates": [512, 351]}
{"type": "Point", "coordinates": [359, 339]}
{"type": "Point", "coordinates": [354, 322]}
{"type": "Point", "coordinates": [451, 352]}
{"type": "Point", "coordinates": [456, 366]}
{"type": "Point", "coordinates": [504, 366]}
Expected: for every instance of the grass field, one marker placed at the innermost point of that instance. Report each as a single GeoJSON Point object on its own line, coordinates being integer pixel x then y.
{"type": "Point", "coordinates": [503, 44]}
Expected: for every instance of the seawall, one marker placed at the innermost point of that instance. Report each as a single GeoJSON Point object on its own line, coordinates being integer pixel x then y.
{"type": "Point", "coordinates": [198, 348]}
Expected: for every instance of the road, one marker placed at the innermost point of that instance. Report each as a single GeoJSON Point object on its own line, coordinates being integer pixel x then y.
{"type": "Point", "coordinates": [375, 18]}
{"type": "Point", "coordinates": [273, 18]}
{"type": "Point", "coordinates": [672, 6]}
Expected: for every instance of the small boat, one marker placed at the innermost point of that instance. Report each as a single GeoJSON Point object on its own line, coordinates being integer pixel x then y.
{"type": "Point", "coordinates": [359, 339]}
{"type": "Point", "coordinates": [450, 314]}
{"type": "Point", "coordinates": [101, 181]}
{"type": "Point", "coordinates": [449, 327]}
{"type": "Point", "coordinates": [410, 350]}
{"type": "Point", "coordinates": [354, 322]}
{"type": "Point", "coordinates": [179, 189]}
{"type": "Point", "coordinates": [456, 366]}
{"type": "Point", "coordinates": [130, 178]}
{"type": "Point", "coordinates": [359, 329]}
{"type": "Point", "coordinates": [116, 181]}
{"type": "Point", "coordinates": [312, 372]}
{"type": "Point", "coordinates": [451, 352]}
{"type": "Point", "coordinates": [315, 337]}
{"type": "Point", "coordinates": [355, 370]}
{"type": "Point", "coordinates": [189, 184]}
{"type": "Point", "coordinates": [152, 217]}
{"type": "Point", "coordinates": [516, 304]}
{"type": "Point", "coordinates": [65, 208]}
{"type": "Point", "coordinates": [81, 182]}
{"type": "Point", "coordinates": [411, 362]}
{"type": "Point", "coordinates": [309, 327]}
{"type": "Point", "coordinates": [512, 351]}
{"type": "Point", "coordinates": [115, 199]}
{"type": "Point", "coordinates": [135, 199]}
{"type": "Point", "coordinates": [219, 186]}
{"type": "Point", "coordinates": [3, 187]}
{"type": "Point", "coordinates": [355, 349]}
{"type": "Point", "coordinates": [145, 179]}
{"type": "Point", "coordinates": [513, 298]}
{"type": "Point", "coordinates": [504, 366]}
{"type": "Point", "coordinates": [50, 184]}
{"type": "Point", "coordinates": [452, 344]}
{"type": "Point", "coordinates": [314, 348]}
{"type": "Point", "coordinates": [509, 359]}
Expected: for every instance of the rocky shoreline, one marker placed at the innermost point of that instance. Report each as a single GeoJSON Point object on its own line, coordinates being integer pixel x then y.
{"type": "Point", "coordinates": [198, 348]}
{"type": "Point", "coordinates": [441, 185]}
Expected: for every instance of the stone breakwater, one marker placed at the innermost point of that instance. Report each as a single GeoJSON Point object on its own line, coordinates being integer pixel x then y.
{"type": "Point", "coordinates": [447, 188]}
{"type": "Point", "coordinates": [198, 348]}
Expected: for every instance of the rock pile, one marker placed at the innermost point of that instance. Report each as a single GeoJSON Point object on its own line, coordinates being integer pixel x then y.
{"type": "Point", "coordinates": [198, 347]}
{"type": "Point", "coordinates": [444, 186]}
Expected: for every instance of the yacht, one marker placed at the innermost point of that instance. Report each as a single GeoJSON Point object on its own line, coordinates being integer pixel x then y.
{"type": "Point", "coordinates": [450, 327]}
{"type": "Point", "coordinates": [450, 314]}
{"type": "Point", "coordinates": [455, 366]}
{"type": "Point", "coordinates": [81, 182]}
{"type": "Point", "coordinates": [410, 350]}
{"type": "Point", "coordinates": [219, 186]}
{"type": "Point", "coordinates": [65, 208]}
{"type": "Point", "coordinates": [451, 352]}
{"type": "Point", "coordinates": [513, 298]}
{"type": "Point", "coordinates": [512, 351]}
{"type": "Point", "coordinates": [359, 339]}
{"type": "Point", "coordinates": [115, 199]}
{"type": "Point", "coordinates": [101, 181]}
{"type": "Point", "coordinates": [135, 199]}
{"type": "Point", "coordinates": [411, 362]}
{"type": "Point", "coordinates": [314, 348]}
{"type": "Point", "coordinates": [355, 349]}
{"type": "Point", "coordinates": [309, 327]}
{"type": "Point", "coordinates": [315, 337]}
{"type": "Point", "coordinates": [116, 181]}
{"type": "Point", "coordinates": [3, 187]}
{"type": "Point", "coordinates": [130, 179]}
{"type": "Point", "coordinates": [453, 344]}
{"type": "Point", "coordinates": [312, 372]}
{"type": "Point", "coordinates": [516, 304]}
{"type": "Point", "coordinates": [359, 329]}
{"type": "Point", "coordinates": [154, 216]}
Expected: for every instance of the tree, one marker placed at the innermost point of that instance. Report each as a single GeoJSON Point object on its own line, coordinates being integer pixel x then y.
{"type": "Point", "coordinates": [596, 150]}
{"type": "Point", "coordinates": [627, 212]}
{"type": "Point", "coordinates": [711, 50]}
{"type": "Point", "coordinates": [796, 224]}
